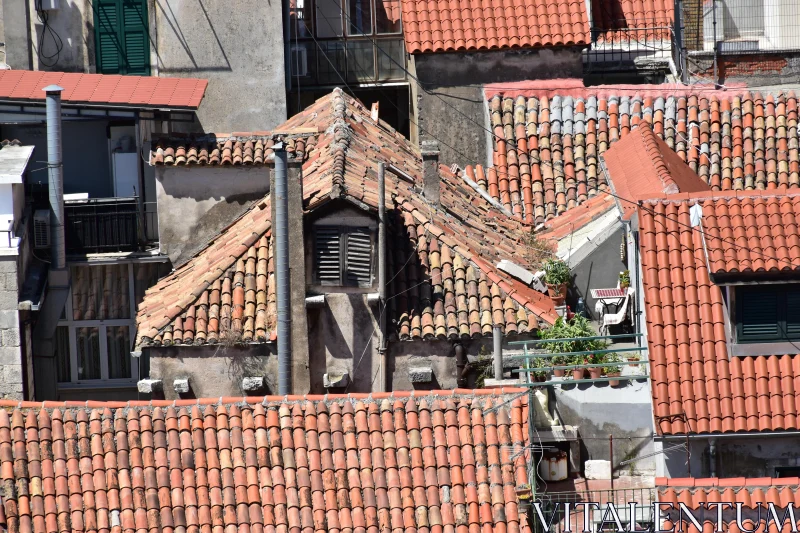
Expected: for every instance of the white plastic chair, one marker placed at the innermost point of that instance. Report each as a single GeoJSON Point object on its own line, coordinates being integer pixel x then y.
{"type": "Point", "coordinates": [614, 319]}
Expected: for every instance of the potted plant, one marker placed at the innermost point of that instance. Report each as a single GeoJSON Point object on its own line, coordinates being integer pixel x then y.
{"type": "Point", "coordinates": [556, 276]}
{"type": "Point", "coordinates": [578, 373]}
{"type": "Point", "coordinates": [559, 360]}
{"type": "Point", "coordinates": [612, 372]}
{"type": "Point", "coordinates": [624, 279]}
{"type": "Point", "coordinates": [577, 328]}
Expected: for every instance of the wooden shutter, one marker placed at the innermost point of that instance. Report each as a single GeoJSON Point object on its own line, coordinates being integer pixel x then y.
{"type": "Point", "coordinates": [107, 24]}
{"type": "Point", "coordinates": [793, 314]}
{"type": "Point", "coordinates": [135, 37]}
{"type": "Point", "coordinates": [122, 37]}
{"type": "Point", "coordinates": [327, 255]}
{"type": "Point", "coordinates": [359, 258]}
{"type": "Point", "coordinates": [759, 316]}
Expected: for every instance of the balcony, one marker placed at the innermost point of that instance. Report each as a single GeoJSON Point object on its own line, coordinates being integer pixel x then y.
{"type": "Point", "coordinates": [109, 225]}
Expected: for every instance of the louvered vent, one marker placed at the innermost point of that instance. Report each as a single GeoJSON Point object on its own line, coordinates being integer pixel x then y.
{"type": "Point", "coordinates": [327, 256]}
{"type": "Point", "coordinates": [359, 258]}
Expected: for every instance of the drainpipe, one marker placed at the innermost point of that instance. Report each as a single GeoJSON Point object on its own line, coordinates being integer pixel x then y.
{"type": "Point", "coordinates": [461, 365]}
{"type": "Point", "coordinates": [497, 337]}
{"type": "Point", "coordinates": [281, 195]}
{"type": "Point", "coordinates": [55, 175]}
{"type": "Point", "coordinates": [382, 270]}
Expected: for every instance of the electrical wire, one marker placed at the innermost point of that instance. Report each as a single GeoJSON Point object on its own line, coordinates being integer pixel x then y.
{"type": "Point", "coordinates": [47, 29]}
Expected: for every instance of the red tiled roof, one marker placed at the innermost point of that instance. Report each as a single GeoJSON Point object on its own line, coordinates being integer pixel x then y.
{"type": "Point", "coordinates": [559, 227]}
{"type": "Point", "coordinates": [104, 89]}
{"type": "Point", "coordinates": [630, 20]}
{"type": "Point", "coordinates": [690, 368]}
{"type": "Point", "coordinates": [433, 463]}
{"type": "Point", "coordinates": [642, 165]}
{"type": "Point", "coordinates": [453, 288]}
{"type": "Point", "coordinates": [226, 149]}
{"type": "Point", "coordinates": [434, 26]}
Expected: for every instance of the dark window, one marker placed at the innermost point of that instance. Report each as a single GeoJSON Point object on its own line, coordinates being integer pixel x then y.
{"type": "Point", "coordinates": [787, 471]}
{"type": "Point", "coordinates": [122, 42]}
{"type": "Point", "coordinates": [343, 256]}
{"type": "Point", "coordinates": [768, 313]}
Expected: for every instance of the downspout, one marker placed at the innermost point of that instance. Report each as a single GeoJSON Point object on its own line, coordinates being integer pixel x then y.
{"type": "Point", "coordinates": [382, 270]}
{"type": "Point", "coordinates": [55, 175]}
{"type": "Point", "coordinates": [497, 337]}
{"type": "Point", "coordinates": [281, 226]}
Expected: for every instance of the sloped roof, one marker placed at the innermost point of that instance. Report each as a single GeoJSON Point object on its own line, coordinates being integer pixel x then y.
{"type": "Point", "coordinates": [435, 462]}
{"type": "Point", "coordinates": [642, 165]}
{"type": "Point", "coordinates": [104, 89]}
{"type": "Point", "coordinates": [628, 20]}
{"type": "Point", "coordinates": [549, 135]}
{"type": "Point", "coordinates": [451, 289]}
{"type": "Point", "coordinates": [434, 26]}
{"type": "Point", "coordinates": [690, 368]}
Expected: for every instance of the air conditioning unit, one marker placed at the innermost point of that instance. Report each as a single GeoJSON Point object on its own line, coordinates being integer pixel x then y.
{"type": "Point", "coordinates": [300, 61]}
{"type": "Point", "coordinates": [41, 228]}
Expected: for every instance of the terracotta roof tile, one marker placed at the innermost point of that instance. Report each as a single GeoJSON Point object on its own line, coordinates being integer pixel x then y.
{"type": "Point", "coordinates": [550, 135]}
{"type": "Point", "coordinates": [691, 371]}
{"type": "Point", "coordinates": [642, 165]}
{"type": "Point", "coordinates": [442, 262]}
{"type": "Point", "coordinates": [438, 26]}
{"type": "Point", "coordinates": [100, 89]}
{"type": "Point", "coordinates": [297, 464]}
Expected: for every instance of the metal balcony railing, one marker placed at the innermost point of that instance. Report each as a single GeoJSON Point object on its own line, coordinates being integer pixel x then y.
{"type": "Point", "coordinates": [107, 225]}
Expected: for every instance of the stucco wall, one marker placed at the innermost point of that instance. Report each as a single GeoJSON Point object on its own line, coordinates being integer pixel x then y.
{"type": "Point", "coordinates": [600, 411]}
{"type": "Point", "coordinates": [600, 269]}
{"type": "Point", "coordinates": [238, 46]}
{"type": "Point", "coordinates": [73, 22]}
{"type": "Point", "coordinates": [213, 371]}
{"type": "Point", "coordinates": [11, 356]}
{"type": "Point", "coordinates": [455, 81]}
{"type": "Point", "coordinates": [195, 203]}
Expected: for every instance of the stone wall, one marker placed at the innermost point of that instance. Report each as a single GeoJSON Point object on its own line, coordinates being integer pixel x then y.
{"type": "Point", "coordinates": [12, 374]}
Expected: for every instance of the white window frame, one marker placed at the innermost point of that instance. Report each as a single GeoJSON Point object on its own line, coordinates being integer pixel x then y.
{"type": "Point", "coordinates": [102, 326]}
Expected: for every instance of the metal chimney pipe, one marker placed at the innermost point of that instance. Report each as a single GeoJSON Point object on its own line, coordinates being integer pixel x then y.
{"type": "Point", "coordinates": [497, 337]}
{"type": "Point", "coordinates": [281, 225]}
{"type": "Point", "coordinates": [55, 175]}
{"type": "Point", "coordinates": [382, 269]}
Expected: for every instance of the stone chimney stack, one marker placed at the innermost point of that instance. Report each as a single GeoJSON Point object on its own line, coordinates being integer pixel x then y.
{"type": "Point", "coordinates": [430, 176]}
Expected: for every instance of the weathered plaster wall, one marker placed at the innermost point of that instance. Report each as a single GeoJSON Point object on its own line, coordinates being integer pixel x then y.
{"type": "Point", "coordinates": [600, 269]}
{"type": "Point", "coordinates": [754, 70]}
{"type": "Point", "coordinates": [753, 456]}
{"type": "Point", "coordinates": [213, 371]}
{"type": "Point", "coordinates": [238, 46]}
{"type": "Point", "coordinates": [600, 411]}
{"type": "Point", "coordinates": [457, 79]}
{"type": "Point", "coordinates": [73, 22]}
{"type": "Point", "coordinates": [195, 203]}
{"type": "Point", "coordinates": [11, 355]}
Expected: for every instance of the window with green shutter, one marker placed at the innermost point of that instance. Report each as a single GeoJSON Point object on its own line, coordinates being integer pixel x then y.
{"type": "Point", "coordinates": [121, 37]}
{"type": "Point", "coordinates": [768, 313]}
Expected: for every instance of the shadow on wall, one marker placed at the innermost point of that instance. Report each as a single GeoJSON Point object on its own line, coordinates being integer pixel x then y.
{"type": "Point", "coordinates": [55, 45]}
{"type": "Point", "coordinates": [172, 21]}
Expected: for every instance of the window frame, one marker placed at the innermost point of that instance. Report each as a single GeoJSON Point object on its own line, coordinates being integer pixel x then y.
{"type": "Point", "coordinates": [781, 291]}
{"type": "Point", "coordinates": [344, 233]}
{"type": "Point", "coordinates": [119, 38]}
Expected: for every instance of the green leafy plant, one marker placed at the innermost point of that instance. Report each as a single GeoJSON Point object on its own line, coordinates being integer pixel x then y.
{"type": "Point", "coordinates": [625, 278]}
{"type": "Point", "coordinates": [556, 272]}
{"type": "Point", "coordinates": [578, 328]}
{"type": "Point", "coordinates": [536, 251]}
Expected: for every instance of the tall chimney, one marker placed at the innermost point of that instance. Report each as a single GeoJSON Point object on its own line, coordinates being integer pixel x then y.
{"type": "Point", "coordinates": [430, 175]}
{"type": "Point", "coordinates": [281, 225]}
{"type": "Point", "coordinates": [55, 175]}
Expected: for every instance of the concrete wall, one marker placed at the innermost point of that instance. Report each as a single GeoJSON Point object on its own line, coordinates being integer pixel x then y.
{"type": "Point", "coordinates": [238, 46]}
{"type": "Point", "coordinates": [600, 269]}
{"type": "Point", "coordinates": [754, 70]}
{"type": "Point", "coordinates": [213, 371]}
{"type": "Point", "coordinates": [753, 456]}
{"type": "Point", "coordinates": [456, 79]}
{"type": "Point", "coordinates": [12, 362]}
{"type": "Point", "coordinates": [195, 203]}
{"type": "Point", "coordinates": [599, 411]}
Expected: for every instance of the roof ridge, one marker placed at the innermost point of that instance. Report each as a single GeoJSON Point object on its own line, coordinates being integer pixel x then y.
{"type": "Point", "coordinates": [341, 133]}
{"type": "Point", "coordinates": [654, 150]}
{"type": "Point", "coordinates": [780, 192]}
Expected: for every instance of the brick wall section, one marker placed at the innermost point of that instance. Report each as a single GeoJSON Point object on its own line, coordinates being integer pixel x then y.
{"type": "Point", "coordinates": [11, 373]}
{"type": "Point", "coordinates": [757, 69]}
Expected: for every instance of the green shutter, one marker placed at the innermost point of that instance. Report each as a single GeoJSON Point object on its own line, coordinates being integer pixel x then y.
{"type": "Point", "coordinates": [759, 316]}
{"type": "Point", "coordinates": [121, 37]}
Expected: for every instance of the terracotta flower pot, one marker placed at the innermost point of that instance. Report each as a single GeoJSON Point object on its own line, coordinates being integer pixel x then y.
{"type": "Point", "coordinates": [595, 372]}
{"type": "Point", "coordinates": [630, 360]}
{"type": "Point", "coordinates": [577, 373]}
{"type": "Point", "coordinates": [558, 373]}
{"type": "Point", "coordinates": [558, 293]}
{"type": "Point", "coordinates": [613, 382]}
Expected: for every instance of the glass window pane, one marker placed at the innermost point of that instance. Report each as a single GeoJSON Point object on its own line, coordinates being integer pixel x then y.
{"type": "Point", "coordinates": [387, 16]}
{"type": "Point", "coordinates": [88, 341]}
{"type": "Point", "coordinates": [390, 60]}
{"type": "Point", "coordinates": [100, 292]}
{"type": "Point", "coordinates": [300, 17]}
{"type": "Point", "coordinates": [62, 355]}
{"type": "Point", "coordinates": [329, 18]}
{"type": "Point", "coordinates": [359, 13]}
{"type": "Point", "coordinates": [303, 62]}
{"type": "Point", "coordinates": [360, 61]}
{"type": "Point", "coordinates": [119, 352]}
{"type": "Point", "coordinates": [330, 63]}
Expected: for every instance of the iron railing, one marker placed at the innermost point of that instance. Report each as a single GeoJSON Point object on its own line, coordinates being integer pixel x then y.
{"type": "Point", "coordinates": [106, 225]}
{"type": "Point", "coordinates": [620, 42]}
